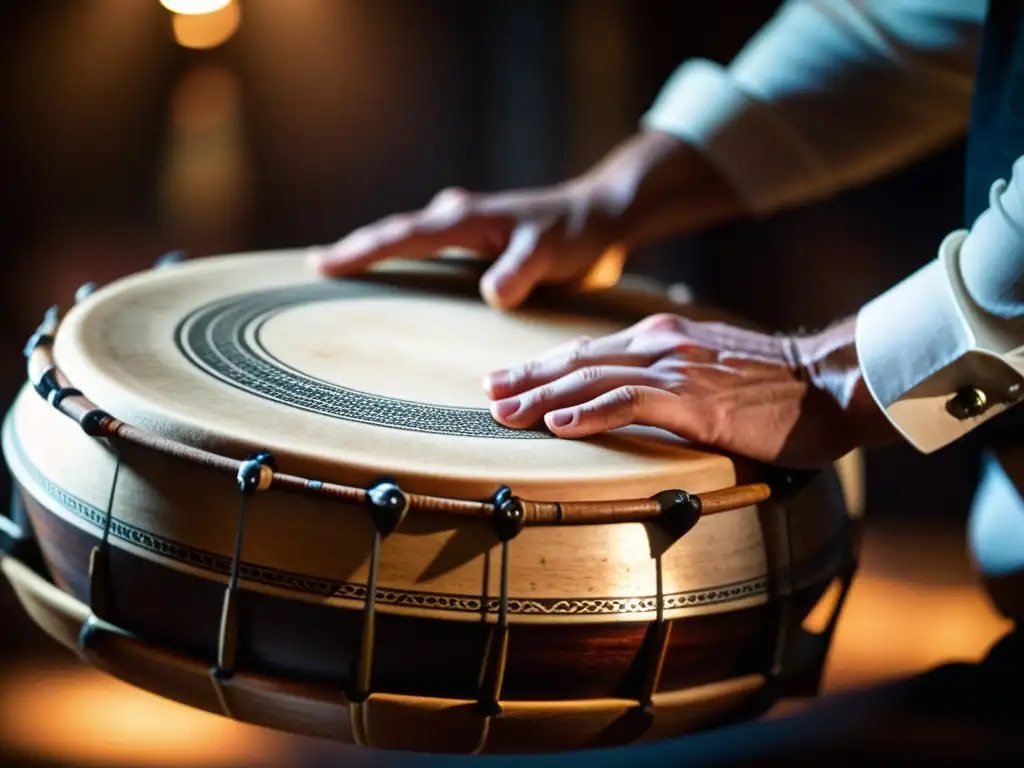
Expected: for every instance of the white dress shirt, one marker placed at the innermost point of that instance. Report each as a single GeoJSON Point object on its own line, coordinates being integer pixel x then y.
{"type": "Point", "coordinates": [833, 93]}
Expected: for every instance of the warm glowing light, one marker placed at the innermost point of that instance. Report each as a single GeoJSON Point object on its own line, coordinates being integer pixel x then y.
{"type": "Point", "coordinates": [207, 99]}
{"type": "Point", "coordinates": [194, 7]}
{"type": "Point", "coordinates": [606, 271]}
{"type": "Point", "coordinates": [890, 627]}
{"type": "Point", "coordinates": [850, 469]}
{"type": "Point", "coordinates": [206, 30]}
{"type": "Point", "coordinates": [80, 716]}
{"type": "Point", "coordinates": [817, 620]}
{"type": "Point", "coordinates": [206, 177]}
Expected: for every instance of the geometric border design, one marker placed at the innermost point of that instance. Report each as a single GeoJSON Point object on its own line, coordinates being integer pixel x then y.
{"type": "Point", "coordinates": [315, 585]}
{"type": "Point", "coordinates": [216, 339]}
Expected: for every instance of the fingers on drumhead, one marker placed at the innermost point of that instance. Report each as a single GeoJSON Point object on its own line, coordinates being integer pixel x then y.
{"type": "Point", "coordinates": [361, 247]}
{"type": "Point", "coordinates": [583, 352]}
{"type": "Point", "coordinates": [397, 232]}
{"type": "Point", "coordinates": [518, 269]}
{"type": "Point", "coordinates": [621, 407]}
{"type": "Point", "coordinates": [662, 321]}
{"type": "Point", "coordinates": [574, 389]}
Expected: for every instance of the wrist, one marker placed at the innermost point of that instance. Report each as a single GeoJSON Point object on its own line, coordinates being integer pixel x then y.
{"type": "Point", "coordinates": [829, 359]}
{"type": "Point", "coordinates": [656, 186]}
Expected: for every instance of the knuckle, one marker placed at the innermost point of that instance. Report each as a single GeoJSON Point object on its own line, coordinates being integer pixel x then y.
{"type": "Point", "coordinates": [542, 395]}
{"type": "Point", "coordinates": [672, 379]}
{"type": "Point", "coordinates": [717, 418]}
{"type": "Point", "coordinates": [452, 203]}
{"type": "Point", "coordinates": [450, 195]}
{"type": "Point", "coordinates": [395, 225]}
{"type": "Point", "coordinates": [629, 397]}
{"type": "Point", "coordinates": [589, 375]}
{"type": "Point", "coordinates": [522, 375]}
{"type": "Point", "coordinates": [682, 346]}
{"type": "Point", "coordinates": [361, 237]}
{"type": "Point", "coordinates": [663, 321]}
{"type": "Point", "coordinates": [367, 239]}
{"type": "Point", "coordinates": [579, 351]}
{"type": "Point", "coordinates": [514, 378]}
{"type": "Point", "coordinates": [671, 364]}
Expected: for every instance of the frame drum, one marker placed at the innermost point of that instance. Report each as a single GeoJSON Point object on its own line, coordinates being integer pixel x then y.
{"type": "Point", "coordinates": [282, 498]}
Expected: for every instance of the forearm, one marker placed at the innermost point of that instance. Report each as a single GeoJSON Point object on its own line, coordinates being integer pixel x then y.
{"type": "Point", "coordinates": [654, 186]}
{"type": "Point", "coordinates": [829, 94]}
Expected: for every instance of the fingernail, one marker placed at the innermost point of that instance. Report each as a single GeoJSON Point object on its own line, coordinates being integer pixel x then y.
{"type": "Point", "coordinates": [560, 419]}
{"type": "Point", "coordinates": [505, 408]}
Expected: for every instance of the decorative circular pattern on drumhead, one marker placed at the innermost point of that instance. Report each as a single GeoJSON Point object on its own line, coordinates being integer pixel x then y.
{"type": "Point", "coordinates": [223, 339]}
{"type": "Point", "coordinates": [351, 380]}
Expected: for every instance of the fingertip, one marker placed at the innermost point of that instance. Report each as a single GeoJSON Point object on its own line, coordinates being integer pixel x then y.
{"type": "Point", "coordinates": [327, 261]}
{"type": "Point", "coordinates": [495, 384]}
{"type": "Point", "coordinates": [505, 411]}
{"type": "Point", "coordinates": [315, 257]}
{"type": "Point", "coordinates": [562, 422]}
{"type": "Point", "coordinates": [501, 291]}
{"type": "Point", "coordinates": [490, 290]}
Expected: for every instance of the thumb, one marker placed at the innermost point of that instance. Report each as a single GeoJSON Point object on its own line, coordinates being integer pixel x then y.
{"type": "Point", "coordinates": [518, 270]}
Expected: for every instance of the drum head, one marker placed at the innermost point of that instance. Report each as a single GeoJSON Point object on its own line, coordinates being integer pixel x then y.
{"type": "Point", "coordinates": [351, 380]}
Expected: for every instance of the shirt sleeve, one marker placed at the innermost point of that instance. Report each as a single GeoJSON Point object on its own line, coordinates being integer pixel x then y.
{"type": "Point", "coordinates": [943, 351]}
{"type": "Point", "coordinates": [829, 94]}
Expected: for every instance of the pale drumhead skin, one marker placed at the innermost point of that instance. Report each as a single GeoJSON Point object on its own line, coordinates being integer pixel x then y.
{"type": "Point", "coordinates": [351, 380]}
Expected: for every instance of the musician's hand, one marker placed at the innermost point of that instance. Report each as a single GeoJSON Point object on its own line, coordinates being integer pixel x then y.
{"type": "Point", "coordinates": [650, 187]}
{"type": "Point", "coordinates": [546, 235]}
{"type": "Point", "coordinates": [797, 402]}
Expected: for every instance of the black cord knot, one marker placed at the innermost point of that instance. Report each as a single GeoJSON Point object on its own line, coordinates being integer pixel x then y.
{"type": "Point", "coordinates": [388, 505]}
{"type": "Point", "coordinates": [680, 511]}
{"type": "Point", "coordinates": [255, 473]}
{"type": "Point", "coordinates": [509, 515]}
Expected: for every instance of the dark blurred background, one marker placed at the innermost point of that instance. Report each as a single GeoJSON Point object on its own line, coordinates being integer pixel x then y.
{"type": "Point", "coordinates": [294, 121]}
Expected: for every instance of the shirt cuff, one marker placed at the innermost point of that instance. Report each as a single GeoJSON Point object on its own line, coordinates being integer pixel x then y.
{"type": "Point", "coordinates": [752, 149]}
{"type": "Point", "coordinates": [918, 347]}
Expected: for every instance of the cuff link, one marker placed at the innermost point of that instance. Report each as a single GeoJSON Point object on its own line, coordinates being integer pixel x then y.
{"type": "Point", "coordinates": [968, 403]}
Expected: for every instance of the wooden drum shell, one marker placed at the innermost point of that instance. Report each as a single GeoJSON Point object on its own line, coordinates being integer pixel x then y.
{"type": "Point", "coordinates": [582, 599]}
{"type": "Point", "coordinates": [397, 722]}
{"type": "Point", "coordinates": [172, 537]}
